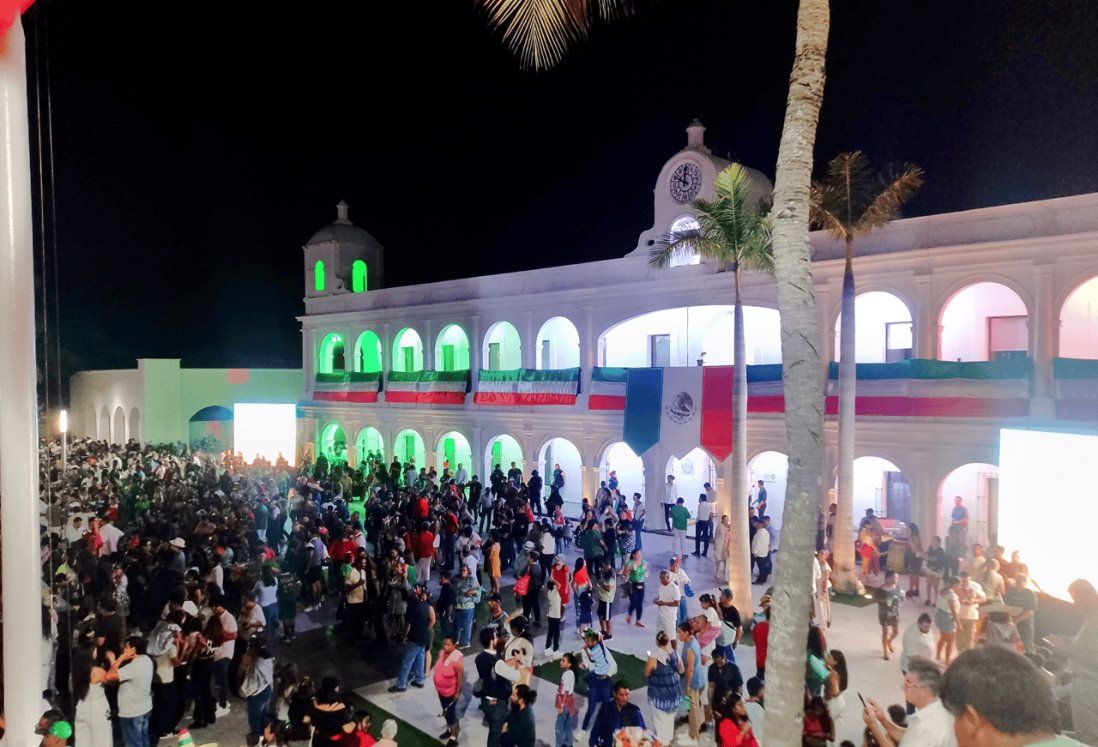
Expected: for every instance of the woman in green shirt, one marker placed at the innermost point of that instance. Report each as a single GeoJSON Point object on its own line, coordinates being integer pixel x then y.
{"type": "Point", "coordinates": [634, 572]}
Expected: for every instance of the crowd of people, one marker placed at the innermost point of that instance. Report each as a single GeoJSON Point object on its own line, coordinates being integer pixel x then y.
{"type": "Point", "coordinates": [173, 579]}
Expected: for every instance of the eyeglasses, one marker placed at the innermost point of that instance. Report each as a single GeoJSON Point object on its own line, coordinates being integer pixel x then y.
{"type": "Point", "coordinates": [909, 683]}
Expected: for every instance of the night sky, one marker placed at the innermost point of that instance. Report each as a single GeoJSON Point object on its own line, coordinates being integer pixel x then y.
{"type": "Point", "coordinates": [194, 156]}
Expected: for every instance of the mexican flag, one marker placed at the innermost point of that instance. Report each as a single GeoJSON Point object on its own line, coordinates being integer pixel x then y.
{"type": "Point", "coordinates": [347, 387]}
{"type": "Point", "coordinates": [681, 408]}
{"type": "Point", "coordinates": [527, 386]}
{"type": "Point", "coordinates": [427, 387]}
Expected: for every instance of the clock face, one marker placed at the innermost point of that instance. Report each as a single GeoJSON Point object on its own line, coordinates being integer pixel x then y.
{"type": "Point", "coordinates": [686, 182]}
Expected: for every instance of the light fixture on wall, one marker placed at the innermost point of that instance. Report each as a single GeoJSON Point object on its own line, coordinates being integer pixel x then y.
{"type": "Point", "coordinates": [701, 359]}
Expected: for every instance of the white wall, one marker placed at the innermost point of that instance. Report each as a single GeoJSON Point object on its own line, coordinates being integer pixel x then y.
{"type": "Point", "coordinates": [964, 319]}
{"type": "Point", "coordinates": [630, 468]}
{"type": "Point", "coordinates": [563, 452]}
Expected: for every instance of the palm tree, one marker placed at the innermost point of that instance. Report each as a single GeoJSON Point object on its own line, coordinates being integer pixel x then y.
{"type": "Point", "coordinates": [850, 202]}
{"type": "Point", "coordinates": [551, 26]}
{"type": "Point", "coordinates": [729, 234]}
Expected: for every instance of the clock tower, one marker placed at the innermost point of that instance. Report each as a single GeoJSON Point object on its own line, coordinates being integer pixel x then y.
{"type": "Point", "coordinates": [688, 176]}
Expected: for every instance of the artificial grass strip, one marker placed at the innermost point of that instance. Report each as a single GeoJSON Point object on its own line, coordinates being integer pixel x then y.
{"type": "Point", "coordinates": [853, 600]}
{"type": "Point", "coordinates": [630, 671]}
{"type": "Point", "coordinates": [407, 734]}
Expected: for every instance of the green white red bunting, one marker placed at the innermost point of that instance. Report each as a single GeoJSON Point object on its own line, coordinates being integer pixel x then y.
{"type": "Point", "coordinates": [526, 386]}
{"type": "Point", "coordinates": [912, 388]}
{"type": "Point", "coordinates": [427, 387]}
{"type": "Point", "coordinates": [347, 386]}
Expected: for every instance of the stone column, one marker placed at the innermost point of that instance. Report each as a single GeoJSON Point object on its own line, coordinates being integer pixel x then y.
{"type": "Point", "coordinates": [429, 345]}
{"type": "Point", "coordinates": [475, 364]}
{"type": "Point", "coordinates": [927, 333]}
{"type": "Point", "coordinates": [529, 341]}
{"type": "Point", "coordinates": [1043, 328]}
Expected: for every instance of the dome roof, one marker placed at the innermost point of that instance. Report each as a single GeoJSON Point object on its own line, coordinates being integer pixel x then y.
{"type": "Point", "coordinates": [343, 231]}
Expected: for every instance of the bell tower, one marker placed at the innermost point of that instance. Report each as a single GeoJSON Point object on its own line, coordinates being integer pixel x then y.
{"type": "Point", "coordinates": [343, 258]}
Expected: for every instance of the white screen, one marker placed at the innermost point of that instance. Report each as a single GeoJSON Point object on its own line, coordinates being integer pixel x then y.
{"type": "Point", "coordinates": [1048, 506]}
{"type": "Point", "coordinates": [265, 430]}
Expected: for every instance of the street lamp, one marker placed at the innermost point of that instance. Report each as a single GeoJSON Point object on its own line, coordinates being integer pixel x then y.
{"type": "Point", "coordinates": [64, 441]}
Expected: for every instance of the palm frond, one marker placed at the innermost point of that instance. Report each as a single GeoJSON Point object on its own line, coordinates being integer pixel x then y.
{"type": "Point", "coordinates": [850, 200]}
{"type": "Point", "coordinates": [540, 32]}
{"type": "Point", "coordinates": [899, 185]}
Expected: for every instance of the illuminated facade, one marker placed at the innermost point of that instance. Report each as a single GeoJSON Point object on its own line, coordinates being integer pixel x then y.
{"type": "Point", "coordinates": [456, 372]}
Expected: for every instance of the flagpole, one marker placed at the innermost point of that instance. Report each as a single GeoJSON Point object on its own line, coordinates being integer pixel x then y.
{"type": "Point", "coordinates": [22, 595]}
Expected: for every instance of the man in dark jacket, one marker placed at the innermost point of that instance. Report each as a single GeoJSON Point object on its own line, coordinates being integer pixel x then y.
{"type": "Point", "coordinates": [617, 714]}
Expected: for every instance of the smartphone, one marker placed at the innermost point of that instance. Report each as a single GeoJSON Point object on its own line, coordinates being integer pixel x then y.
{"type": "Point", "coordinates": [863, 700]}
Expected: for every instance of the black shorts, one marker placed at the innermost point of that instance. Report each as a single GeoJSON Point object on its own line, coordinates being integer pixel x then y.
{"type": "Point", "coordinates": [605, 610]}
{"type": "Point", "coordinates": [314, 575]}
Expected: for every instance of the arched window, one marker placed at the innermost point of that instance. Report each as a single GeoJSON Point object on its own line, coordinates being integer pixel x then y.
{"type": "Point", "coordinates": [368, 352]}
{"type": "Point", "coordinates": [358, 276]}
{"type": "Point", "coordinates": [682, 224]}
{"type": "Point", "coordinates": [332, 357]}
{"type": "Point", "coordinates": [318, 276]}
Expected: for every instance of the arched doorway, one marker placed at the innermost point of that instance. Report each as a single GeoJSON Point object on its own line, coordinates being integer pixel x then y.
{"type": "Point", "coordinates": [1079, 322]}
{"type": "Point", "coordinates": [978, 485]}
{"type": "Point", "coordinates": [332, 356]}
{"type": "Point", "coordinates": [558, 344]}
{"type": "Point", "coordinates": [883, 331]}
{"type": "Point", "coordinates": [333, 443]}
{"type": "Point", "coordinates": [408, 447]}
{"type": "Point", "coordinates": [502, 348]}
{"type": "Point", "coordinates": [680, 336]}
{"type": "Point", "coordinates": [502, 450]}
{"type": "Point", "coordinates": [563, 452]}
{"type": "Point", "coordinates": [628, 467]}
{"type": "Point", "coordinates": [691, 473]}
{"type": "Point", "coordinates": [211, 428]}
{"type": "Point", "coordinates": [118, 432]}
{"type": "Point", "coordinates": [407, 351]}
{"type": "Point", "coordinates": [772, 467]}
{"type": "Point", "coordinates": [453, 449]}
{"type": "Point", "coordinates": [880, 485]}
{"type": "Point", "coordinates": [452, 349]}
{"type": "Point", "coordinates": [367, 353]}
{"type": "Point", "coordinates": [369, 442]}
{"type": "Point", "coordinates": [984, 322]}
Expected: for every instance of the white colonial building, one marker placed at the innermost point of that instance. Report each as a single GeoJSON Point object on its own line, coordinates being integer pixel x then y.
{"type": "Point", "coordinates": [988, 317]}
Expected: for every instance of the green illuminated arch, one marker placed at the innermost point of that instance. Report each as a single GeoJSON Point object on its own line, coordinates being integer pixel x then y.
{"type": "Point", "coordinates": [407, 351]}
{"type": "Point", "coordinates": [369, 441]}
{"type": "Point", "coordinates": [331, 357]}
{"type": "Point", "coordinates": [502, 450]}
{"type": "Point", "coordinates": [408, 446]}
{"type": "Point", "coordinates": [454, 449]}
{"type": "Point", "coordinates": [452, 349]}
{"type": "Point", "coordinates": [318, 276]}
{"type": "Point", "coordinates": [358, 276]}
{"type": "Point", "coordinates": [333, 443]}
{"type": "Point", "coordinates": [367, 353]}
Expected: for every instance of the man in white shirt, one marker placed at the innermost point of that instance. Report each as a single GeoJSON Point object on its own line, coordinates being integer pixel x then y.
{"type": "Point", "coordinates": [971, 596]}
{"type": "Point", "coordinates": [703, 527]}
{"type": "Point", "coordinates": [223, 655]}
{"type": "Point", "coordinates": [111, 536]}
{"type": "Point", "coordinates": [670, 496]}
{"type": "Point", "coordinates": [667, 600]}
{"type": "Point", "coordinates": [681, 580]}
{"type": "Point", "coordinates": [760, 551]}
{"type": "Point", "coordinates": [461, 476]}
{"type": "Point", "coordinates": [918, 641]}
{"type": "Point", "coordinates": [930, 726]}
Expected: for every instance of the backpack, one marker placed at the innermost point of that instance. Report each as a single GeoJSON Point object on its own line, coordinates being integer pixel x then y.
{"type": "Point", "coordinates": [161, 638]}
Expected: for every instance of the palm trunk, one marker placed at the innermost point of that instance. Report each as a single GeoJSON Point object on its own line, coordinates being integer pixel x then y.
{"type": "Point", "coordinates": [739, 551]}
{"type": "Point", "coordinates": [843, 547]}
{"type": "Point", "coordinates": [804, 391]}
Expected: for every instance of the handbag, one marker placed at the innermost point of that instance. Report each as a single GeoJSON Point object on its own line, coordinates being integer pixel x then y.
{"type": "Point", "coordinates": [688, 590]}
{"type": "Point", "coordinates": [522, 586]}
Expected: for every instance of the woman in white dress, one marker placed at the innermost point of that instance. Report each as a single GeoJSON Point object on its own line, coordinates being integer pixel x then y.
{"type": "Point", "coordinates": [823, 589]}
{"type": "Point", "coordinates": [721, 535]}
{"type": "Point", "coordinates": [835, 687]}
{"type": "Point", "coordinates": [92, 725]}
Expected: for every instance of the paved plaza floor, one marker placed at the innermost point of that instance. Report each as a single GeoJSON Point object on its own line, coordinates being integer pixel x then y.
{"type": "Point", "coordinates": [368, 670]}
